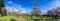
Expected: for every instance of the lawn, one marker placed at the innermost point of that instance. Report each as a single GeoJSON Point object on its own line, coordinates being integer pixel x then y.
{"type": "Point", "coordinates": [6, 18]}
{"type": "Point", "coordinates": [26, 18]}
{"type": "Point", "coordinates": [18, 18]}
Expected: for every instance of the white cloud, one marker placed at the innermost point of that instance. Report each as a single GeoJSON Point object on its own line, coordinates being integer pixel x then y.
{"type": "Point", "coordinates": [15, 9]}
{"type": "Point", "coordinates": [19, 5]}
{"type": "Point", "coordinates": [23, 10]}
{"type": "Point", "coordinates": [10, 2]}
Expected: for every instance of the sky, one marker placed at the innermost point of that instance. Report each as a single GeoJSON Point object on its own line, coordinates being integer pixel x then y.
{"type": "Point", "coordinates": [26, 5]}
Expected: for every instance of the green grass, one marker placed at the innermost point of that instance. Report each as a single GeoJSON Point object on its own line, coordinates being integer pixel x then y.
{"type": "Point", "coordinates": [7, 18]}
{"type": "Point", "coordinates": [24, 18]}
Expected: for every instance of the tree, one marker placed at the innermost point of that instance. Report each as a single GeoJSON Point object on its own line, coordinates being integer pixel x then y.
{"type": "Point", "coordinates": [2, 8]}
{"type": "Point", "coordinates": [1, 1]}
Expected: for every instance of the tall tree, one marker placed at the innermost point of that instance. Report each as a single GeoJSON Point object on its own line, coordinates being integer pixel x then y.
{"type": "Point", "coordinates": [1, 1]}
{"type": "Point", "coordinates": [2, 8]}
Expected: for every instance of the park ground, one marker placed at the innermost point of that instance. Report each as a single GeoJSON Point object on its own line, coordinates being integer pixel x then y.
{"type": "Point", "coordinates": [26, 18]}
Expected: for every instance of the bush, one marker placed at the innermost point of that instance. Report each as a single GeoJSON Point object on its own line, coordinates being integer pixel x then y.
{"type": "Point", "coordinates": [13, 20]}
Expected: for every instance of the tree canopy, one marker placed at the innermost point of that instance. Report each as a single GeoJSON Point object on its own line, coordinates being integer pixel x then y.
{"type": "Point", "coordinates": [1, 2]}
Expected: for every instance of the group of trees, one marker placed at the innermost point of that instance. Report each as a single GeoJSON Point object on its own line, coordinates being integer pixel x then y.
{"type": "Point", "coordinates": [2, 8]}
{"type": "Point", "coordinates": [54, 11]}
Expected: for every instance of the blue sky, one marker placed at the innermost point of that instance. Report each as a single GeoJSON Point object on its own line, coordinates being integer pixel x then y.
{"type": "Point", "coordinates": [26, 5]}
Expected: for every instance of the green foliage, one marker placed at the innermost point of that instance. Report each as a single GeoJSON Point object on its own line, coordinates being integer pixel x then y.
{"type": "Point", "coordinates": [13, 20]}
{"type": "Point", "coordinates": [3, 14]}
{"type": "Point", "coordinates": [8, 18]}
{"type": "Point", "coordinates": [1, 1]}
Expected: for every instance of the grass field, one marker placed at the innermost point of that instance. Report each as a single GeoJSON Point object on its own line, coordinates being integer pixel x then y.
{"type": "Point", "coordinates": [26, 18]}
{"type": "Point", "coordinates": [6, 18]}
